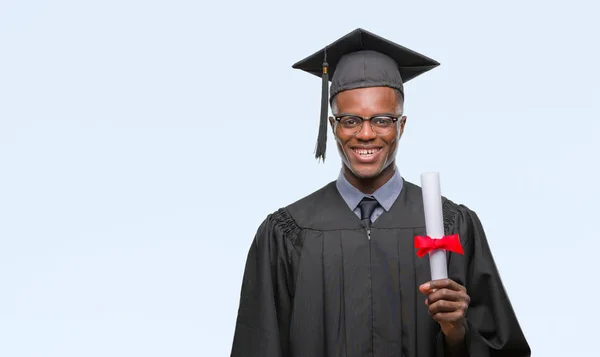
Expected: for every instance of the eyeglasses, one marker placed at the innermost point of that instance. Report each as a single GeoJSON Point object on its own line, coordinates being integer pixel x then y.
{"type": "Point", "coordinates": [380, 124]}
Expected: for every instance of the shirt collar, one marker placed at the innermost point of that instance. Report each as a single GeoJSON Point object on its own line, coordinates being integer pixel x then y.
{"type": "Point", "coordinates": [386, 195]}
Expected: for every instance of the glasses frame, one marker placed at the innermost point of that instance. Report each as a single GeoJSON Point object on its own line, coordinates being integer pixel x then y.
{"type": "Point", "coordinates": [395, 119]}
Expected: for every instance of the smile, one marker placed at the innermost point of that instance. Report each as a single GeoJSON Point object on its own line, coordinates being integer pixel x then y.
{"type": "Point", "coordinates": [366, 153]}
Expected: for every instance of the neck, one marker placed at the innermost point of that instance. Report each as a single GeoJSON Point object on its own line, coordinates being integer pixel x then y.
{"type": "Point", "coordinates": [370, 185]}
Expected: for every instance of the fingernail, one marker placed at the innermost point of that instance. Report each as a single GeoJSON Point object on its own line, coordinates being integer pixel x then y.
{"type": "Point", "coordinates": [425, 286]}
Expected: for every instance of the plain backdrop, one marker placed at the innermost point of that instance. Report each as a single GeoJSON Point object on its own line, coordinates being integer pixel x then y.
{"type": "Point", "coordinates": [143, 142]}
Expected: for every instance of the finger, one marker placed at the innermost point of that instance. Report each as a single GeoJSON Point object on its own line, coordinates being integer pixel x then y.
{"type": "Point", "coordinates": [445, 284]}
{"type": "Point", "coordinates": [444, 306]}
{"type": "Point", "coordinates": [445, 294]}
{"type": "Point", "coordinates": [424, 289]}
{"type": "Point", "coordinates": [431, 286]}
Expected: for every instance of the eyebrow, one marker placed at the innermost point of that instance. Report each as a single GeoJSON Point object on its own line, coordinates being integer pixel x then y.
{"type": "Point", "coordinates": [372, 116]}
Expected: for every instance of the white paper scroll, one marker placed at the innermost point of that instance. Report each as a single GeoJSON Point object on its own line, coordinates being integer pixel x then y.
{"type": "Point", "coordinates": [434, 221]}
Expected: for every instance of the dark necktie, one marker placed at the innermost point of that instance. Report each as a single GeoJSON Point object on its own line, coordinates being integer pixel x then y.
{"type": "Point", "coordinates": [367, 207]}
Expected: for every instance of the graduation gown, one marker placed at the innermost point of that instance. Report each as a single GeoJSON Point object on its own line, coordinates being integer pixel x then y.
{"type": "Point", "coordinates": [315, 285]}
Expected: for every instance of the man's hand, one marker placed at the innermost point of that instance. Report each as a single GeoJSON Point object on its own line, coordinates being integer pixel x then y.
{"type": "Point", "coordinates": [448, 303]}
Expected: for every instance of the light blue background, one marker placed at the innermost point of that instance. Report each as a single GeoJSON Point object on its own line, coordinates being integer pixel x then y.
{"type": "Point", "coordinates": [143, 142]}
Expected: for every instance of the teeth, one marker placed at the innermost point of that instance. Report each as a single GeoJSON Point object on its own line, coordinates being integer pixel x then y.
{"type": "Point", "coordinates": [366, 152]}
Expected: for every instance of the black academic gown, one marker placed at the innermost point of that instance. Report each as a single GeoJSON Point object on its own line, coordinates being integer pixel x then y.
{"type": "Point", "coordinates": [314, 285]}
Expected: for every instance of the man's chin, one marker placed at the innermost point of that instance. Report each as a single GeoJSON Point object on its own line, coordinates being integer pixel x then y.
{"type": "Point", "coordinates": [366, 171]}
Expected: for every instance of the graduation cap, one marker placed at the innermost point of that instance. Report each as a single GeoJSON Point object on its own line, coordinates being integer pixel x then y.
{"type": "Point", "coordinates": [361, 59]}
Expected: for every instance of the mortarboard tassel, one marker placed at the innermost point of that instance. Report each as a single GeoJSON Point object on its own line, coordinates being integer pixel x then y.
{"type": "Point", "coordinates": [322, 138]}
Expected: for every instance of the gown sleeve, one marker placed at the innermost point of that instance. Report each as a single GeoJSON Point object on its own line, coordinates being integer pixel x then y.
{"type": "Point", "coordinates": [263, 320]}
{"type": "Point", "coordinates": [492, 326]}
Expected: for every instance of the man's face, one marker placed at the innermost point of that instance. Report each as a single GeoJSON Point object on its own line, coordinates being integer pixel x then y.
{"type": "Point", "coordinates": [366, 153]}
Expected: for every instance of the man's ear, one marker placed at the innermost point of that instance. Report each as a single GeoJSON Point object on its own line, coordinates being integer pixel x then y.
{"type": "Point", "coordinates": [402, 123]}
{"type": "Point", "coordinates": [332, 124]}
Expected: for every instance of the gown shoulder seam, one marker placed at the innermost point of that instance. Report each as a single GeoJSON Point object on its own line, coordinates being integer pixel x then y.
{"type": "Point", "coordinates": [283, 220]}
{"type": "Point", "coordinates": [450, 212]}
{"type": "Point", "coordinates": [290, 230]}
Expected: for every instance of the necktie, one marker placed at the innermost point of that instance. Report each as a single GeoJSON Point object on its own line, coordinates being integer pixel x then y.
{"type": "Point", "coordinates": [367, 207]}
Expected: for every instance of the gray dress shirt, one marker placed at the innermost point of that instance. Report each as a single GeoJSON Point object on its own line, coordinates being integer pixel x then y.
{"type": "Point", "coordinates": [386, 195]}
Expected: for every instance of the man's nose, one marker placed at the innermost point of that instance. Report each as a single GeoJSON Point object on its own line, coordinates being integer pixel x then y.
{"type": "Point", "coordinates": [366, 132]}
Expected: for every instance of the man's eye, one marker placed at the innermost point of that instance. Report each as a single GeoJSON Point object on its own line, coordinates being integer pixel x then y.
{"type": "Point", "coordinates": [382, 121]}
{"type": "Point", "coordinates": [349, 121]}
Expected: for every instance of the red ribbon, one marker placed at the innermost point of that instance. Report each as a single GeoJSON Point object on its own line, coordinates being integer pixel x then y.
{"type": "Point", "coordinates": [426, 244]}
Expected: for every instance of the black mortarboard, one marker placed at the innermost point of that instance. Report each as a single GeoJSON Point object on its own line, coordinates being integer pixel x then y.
{"type": "Point", "coordinates": [357, 60]}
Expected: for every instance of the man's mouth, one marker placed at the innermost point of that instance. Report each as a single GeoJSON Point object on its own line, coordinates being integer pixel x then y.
{"type": "Point", "coordinates": [366, 153]}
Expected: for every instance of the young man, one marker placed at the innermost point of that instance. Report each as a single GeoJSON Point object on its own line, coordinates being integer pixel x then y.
{"type": "Point", "coordinates": [335, 273]}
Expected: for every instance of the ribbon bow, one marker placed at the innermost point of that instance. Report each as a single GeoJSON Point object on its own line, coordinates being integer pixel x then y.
{"type": "Point", "coordinates": [426, 244]}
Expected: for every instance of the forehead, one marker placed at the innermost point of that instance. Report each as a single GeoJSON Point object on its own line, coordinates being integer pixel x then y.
{"type": "Point", "coordinates": [367, 101]}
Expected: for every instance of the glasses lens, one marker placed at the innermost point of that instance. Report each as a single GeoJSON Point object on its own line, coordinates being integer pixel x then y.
{"type": "Point", "coordinates": [350, 124]}
{"type": "Point", "coordinates": [381, 125]}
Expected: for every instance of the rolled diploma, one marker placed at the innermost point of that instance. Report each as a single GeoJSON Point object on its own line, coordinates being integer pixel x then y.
{"type": "Point", "coordinates": [434, 221]}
